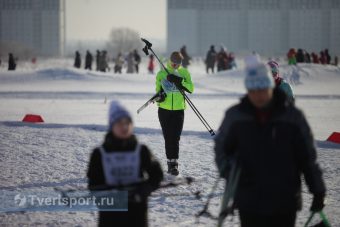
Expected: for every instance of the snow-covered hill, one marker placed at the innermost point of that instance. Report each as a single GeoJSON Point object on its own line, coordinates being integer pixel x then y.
{"type": "Point", "coordinates": [74, 106]}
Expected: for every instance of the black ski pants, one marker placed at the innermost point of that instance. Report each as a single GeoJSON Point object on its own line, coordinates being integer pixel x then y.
{"type": "Point", "coordinates": [172, 125]}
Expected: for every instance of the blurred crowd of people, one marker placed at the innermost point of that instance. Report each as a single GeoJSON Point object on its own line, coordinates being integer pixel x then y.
{"type": "Point", "coordinates": [130, 61]}
{"type": "Point", "coordinates": [222, 59]}
{"type": "Point", "coordinates": [303, 56]}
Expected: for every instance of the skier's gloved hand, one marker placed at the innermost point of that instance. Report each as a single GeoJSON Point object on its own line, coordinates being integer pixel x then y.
{"type": "Point", "coordinates": [318, 203]}
{"type": "Point", "coordinates": [174, 79]}
{"type": "Point", "coordinates": [162, 96]}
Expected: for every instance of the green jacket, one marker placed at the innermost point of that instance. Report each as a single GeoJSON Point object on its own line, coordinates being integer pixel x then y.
{"type": "Point", "coordinates": [174, 99]}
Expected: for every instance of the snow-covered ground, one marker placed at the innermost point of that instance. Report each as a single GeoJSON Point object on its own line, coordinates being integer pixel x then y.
{"type": "Point", "coordinates": [74, 106]}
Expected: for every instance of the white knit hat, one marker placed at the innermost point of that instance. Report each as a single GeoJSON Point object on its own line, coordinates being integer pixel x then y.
{"type": "Point", "coordinates": [257, 74]}
{"type": "Point", "coordinates": [117, 112]}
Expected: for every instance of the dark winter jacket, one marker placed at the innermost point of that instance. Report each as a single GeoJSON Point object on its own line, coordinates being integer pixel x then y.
{"type": "Point", "coordinates": [88, 60]}
{"type": "Point", "coordinates": [11, 62]}
{"type": "Point", "coordinates": [186, 57]}
{"type": "Point", "coordinates": [211, 58]}
{"type": "Point", "coordinates": [274, 147]}
{"type": "Point", "coordinates": [77, 60]}
{"type": "Point", "coordinates": [300, 57]}
{"type": "Point", "coordinates": [137, 214]}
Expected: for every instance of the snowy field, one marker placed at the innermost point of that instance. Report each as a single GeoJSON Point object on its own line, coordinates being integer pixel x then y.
{"type": "Point", "coordinates": [74, 106]}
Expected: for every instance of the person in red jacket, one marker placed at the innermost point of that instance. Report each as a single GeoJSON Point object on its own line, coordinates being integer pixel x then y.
{"type": "Point", "coordinates": [151, 65]}
{"type": "Point", "coordinates": [315, 58]}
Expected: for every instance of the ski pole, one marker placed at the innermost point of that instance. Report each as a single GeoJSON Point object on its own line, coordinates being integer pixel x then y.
{"type": "Point", "coordinates": [323, 217]}
{"type": "Point", "coordinates": [228, 197]}
{"type": "Point", "coordinates": [206, 205]}
{"type": "Point", "coordinates": [147, 47]}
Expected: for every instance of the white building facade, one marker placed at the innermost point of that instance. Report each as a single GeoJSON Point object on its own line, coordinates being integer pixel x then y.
{"type": "Point", "coordinates": [266, 26]}
{"type": "Point", "coordinates": [36, 24]}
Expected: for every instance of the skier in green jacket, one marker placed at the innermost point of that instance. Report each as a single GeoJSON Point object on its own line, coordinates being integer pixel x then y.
{"type": "Point", "coordinates": [172, 106]}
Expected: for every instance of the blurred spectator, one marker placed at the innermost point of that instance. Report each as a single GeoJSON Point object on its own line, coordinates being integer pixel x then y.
{"type": "Point", "coordinates": [11, 62]}
{"type": "Point", "coordinates": [300, 57]}
{"type": "Point", "coordinates": [151, 66]}
{"type": "Point", "coordinates": [323, 59]}
{"type": "Point", "coordinates": [328, 57]}
{"type": "Point", "coordinates": [88, 60]}
{"type": "Point", "coordinates": [291, 55]}
{"type": "Point", "coordinates": [315, 58]}
{"type": "Point", "coordinates": [307, 57]}
{"type": "Point", "coordinates": [336, 61]}
{"type": "Point", "coordinates": [77, 60]}
{"type": "Point", "coordinates": [103, 65]}
{"type": "Point", "coordinates": [137, 60]}
{"type": "Point", "coordinates": [119, 62]}
{"type": "Point", "coordinates": [186, 57]}
{"type": "Point", "coordinates": [211, 59]}
{"type": "Point", "coordinates": [130, 63]}
{"type": "Point", "coordinates": [97, 60]}
{"type": "Point", "coordinates": [231, 61]}
{"type": "Point", "coordinates": [222, 59]}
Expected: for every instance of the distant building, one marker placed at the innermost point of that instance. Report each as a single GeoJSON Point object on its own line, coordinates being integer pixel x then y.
{"type": "Point", "coordinates": [265, 26]}
{"type": "Point", "coordinates": [35, 24]}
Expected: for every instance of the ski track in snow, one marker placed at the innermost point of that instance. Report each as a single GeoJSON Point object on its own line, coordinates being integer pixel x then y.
{"type": "Point", "coordinates": [56, 153]}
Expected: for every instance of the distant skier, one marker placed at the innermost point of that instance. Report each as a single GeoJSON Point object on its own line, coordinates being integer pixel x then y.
{"type": "Point", "coordinates": [151, 65]}
{"type": "Point", "coordinates": [88, 60]}
{"type": "Point", "coordinates": [121, 152]}
{"type": "Point", "coordinates": [211, 59]}
{"type": "Point", "coordinates": [186, 57]}
{"type": "Point", "coordinates": [171, 109]}
{"type": "Point", "coordinates": [280, 82]}
{"type": "Point", "coordinates": [269, 139]}
{"type": "Point", "coordinates": [11, 62]}
{"type": "Point", "coordinates": [137, 60]}
{"type": "Point", "coordinates": [77, 60]}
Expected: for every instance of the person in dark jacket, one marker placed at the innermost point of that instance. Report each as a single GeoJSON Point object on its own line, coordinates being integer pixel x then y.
{"type": "Point", "coordinates": [272, 143]}
{"type": "Point", "coordinates": [88, 60]}
{"type": "Point", "coordinates": [11, 62]}
{"type": "Point", "coordinates": [211, 59]}
{"type": "Point", "coordinates": [137, 60]}
{"type": "Point", "coordinates": [323, 59]}
{"type": "Point", "coordinates": [307, 57]}
{"type": "Point", "coordinates": [97, 60]}
{"type": "Point", "coordinates": [120, 152]}
{"type": "Point", "coordinates": [328, 57]}
{"type": "Point", "coordinates": [300, 56]}
{"type": "Point", "coordinates": [222, 59]}
{"type": "Point", "coordinates": [186, 57]}
{"type": "Point", "coordinates": [77, 60]}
